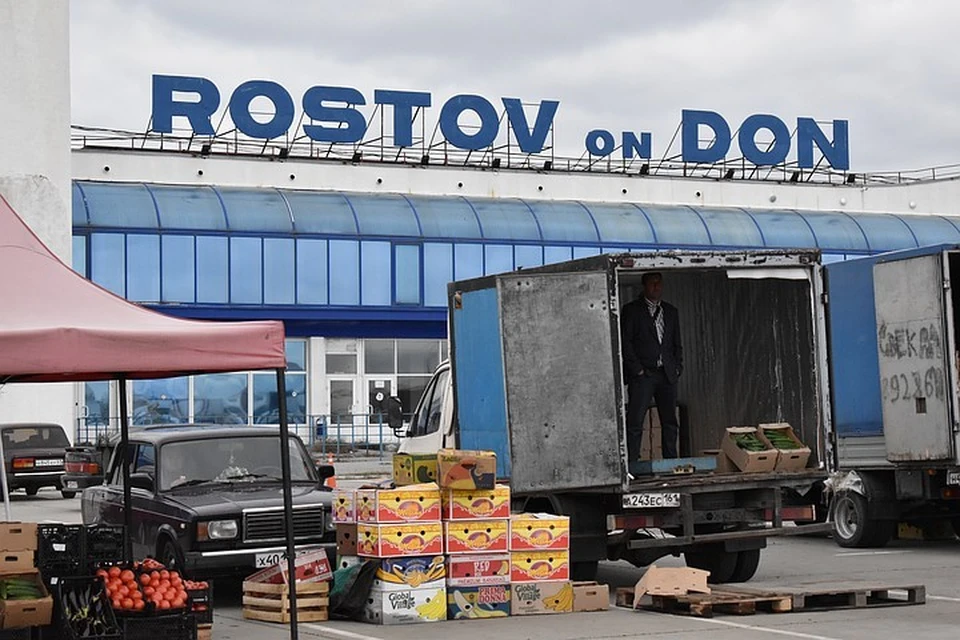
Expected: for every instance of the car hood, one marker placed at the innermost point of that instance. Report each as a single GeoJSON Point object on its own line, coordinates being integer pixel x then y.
{"type": "Point", "coordinates": [232, 499]}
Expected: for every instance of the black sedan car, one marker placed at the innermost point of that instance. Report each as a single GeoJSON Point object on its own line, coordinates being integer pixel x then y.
{"type": "Point", "coordinates": [33, 454]}
{"type": "Point", "coordinates": [208, 499]}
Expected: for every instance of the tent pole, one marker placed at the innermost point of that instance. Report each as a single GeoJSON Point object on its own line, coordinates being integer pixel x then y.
{"type": "Point", "coordinates": [3, 480]}
{"type": "Point", "coordinates": [287, 500]}
{"type": "Point", "coordinates": [125, 460]}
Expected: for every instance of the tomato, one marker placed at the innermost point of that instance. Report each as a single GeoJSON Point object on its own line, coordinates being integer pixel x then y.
{"type": "Point", "coordinates": [138, 605]}
{"type": "Point", "coordinates": [164, 575]}
{"type": "Point", "coordinates": [164, 583]}
{"type": "Point", "coordinates": [116, 602]}
{"type": "Point", "coordinates": [149, 591]}
{"type": "Point", "coordinates": [114, 572]}
{"type": "Point", "coordinates": [102, 573]}
{"type": "Point", "coordinates": [164, 604]}
{"type": "Point", "coordinates": [174, 574]}
{"type": "Point", "coordinates": [127, 603]}
{"type": "Point", "coordinates": [154, 575]}
{"type": "Point", "coordinates": [144, 579]}
{"type": "Point", "coordinates": [126, 575]}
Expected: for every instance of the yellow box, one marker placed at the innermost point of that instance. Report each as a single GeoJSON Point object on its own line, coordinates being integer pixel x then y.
{"type": "Point", "coordinates": [344, 506]}
{"type": "Point", "coordinates": [414, 503]}
{"type": "Point", "coordinates": [399, 539]}
{"type": "Point", "coordinates": [459, 469]}
{"type": "Point", "coordinates": [541, 531]}
{"type": "Point", "coordinates": [414, 468]}
{"type": "Point", "coordinates": [476, 536]}
{"type": "Point", "coordinates": [473, 504]}
{"type": "Point", "coordinates": [534, 598]}
{"type": "Point", "coordinates": [535, 566]}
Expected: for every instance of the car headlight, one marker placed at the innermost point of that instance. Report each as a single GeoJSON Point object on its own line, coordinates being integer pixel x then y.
{"type": "Point", "coordinates": [217, 530]}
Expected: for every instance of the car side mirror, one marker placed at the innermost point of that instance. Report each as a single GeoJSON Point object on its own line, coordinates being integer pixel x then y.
{"type": "Point", "coordinates": [325, 471]}
{"type": "Point", "coordinates": [394, 413]}
{"type": "Point", "coordinates": [141, 481]}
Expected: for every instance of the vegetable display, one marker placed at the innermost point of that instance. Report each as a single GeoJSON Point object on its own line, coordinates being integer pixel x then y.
{"type": "Point", "coordinates": [19, 588]}
{"type": "Point", "coordinates": [87, 611]}
{"type": "Point", "coordinates": [749, 442]}
{"type": "Point", "coordinates": [781, 440]}
{"type": "Point", "coordinates": [133, 591]}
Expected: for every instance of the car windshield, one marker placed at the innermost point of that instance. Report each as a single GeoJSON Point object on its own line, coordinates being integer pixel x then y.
{"type": "Point", "coordinates": [34, 438]}
{"type": "Point", "coordinates": [229, 460]}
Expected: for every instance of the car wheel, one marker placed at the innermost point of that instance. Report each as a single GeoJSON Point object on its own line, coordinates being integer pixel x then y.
{"type": "Point", "coordinates": [852, 526]}
{"type": "Point", "coordinates": [169, 555]}
{"type": "Point", "coordinates": [32, 491]}
{"type": "Point", "coordinates": [68, 494]}
{"type": "Point", "coordinates": [747, 564]}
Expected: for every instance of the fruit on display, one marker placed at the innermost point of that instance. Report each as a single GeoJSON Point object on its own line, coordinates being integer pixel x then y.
{"type": "Point", "coordinates": [749, 442]}
{"type": "Point", "coordinates": [19, 588]}
{"type": "Point", "coordinates": [134, 591]}
{"type": "Point", "coordinates": [780, 439]}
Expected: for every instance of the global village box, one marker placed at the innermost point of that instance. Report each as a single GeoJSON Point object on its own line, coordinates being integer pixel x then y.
{"type": "Point", "coordinates": [474, 536]}
{"type": "Point", "coordinates": [472, 504]}
{"type": "Point", "coordinates": [418, 502]}
{"type": "Point", "coordinates": [410, 572]}
{"type": "Point", "coordinates": [533, 566]}
{"type": "Point", "coordinates": [478, 570]}
{"type": "Point", "coordinates": [400, 539]}
{"type": "Point", "coordinates": [406, 607]}
{"type": "Point", "coordinates": [414, 468]}
{"type": "Point", "coordinates": [460, 469]}
{"type": "Point", "coordinates": [539, 531]}
{"type": "Point", "coordinates": [533, 598]}
{"type": "Point", "coordinates": [473, 603]}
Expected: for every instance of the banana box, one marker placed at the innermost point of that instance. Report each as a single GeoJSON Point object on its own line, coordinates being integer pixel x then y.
{"type": "Point", "coordinates": [474, 603]}
{"type": "Point", "coordinates": [346, 539]}
{"type": "Point", "coordinates": [458, 469]}
{"type": "Point", "coordinates": [535, 566]}
{"type": "Point", "coordinates": [414, 468]}
{"type": "Point", "coordinates": [479, 570]}
{"type": "Point", "coordinates": [344, 506]}
{"type": "Point", "coordinates": [533, 598]}
{"type": "Point", "coordinates": [471, 504]}
{"type": "Point", "coordinates": [419, 572]}
{"type": "Point", "coordinates": [418, 502]}
{"type": "Point", "coordinates": [345, 562]}
{"type": "Point", "coordinates": [539, 531]}
{"type": "Point", "coordinates": [475, 536]}
{"type": "Point", "coordinates": [399, 539]}
{"type": "Point", "coordinates": [406, 607]}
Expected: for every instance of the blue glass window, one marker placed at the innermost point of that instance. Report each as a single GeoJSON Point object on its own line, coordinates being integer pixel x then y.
{"type": "Point", "coordinates": [107, 261]}
{"type": "Point", "coordinates": [585, 252]}
{"type": "Point", "coordinates": [79, 255]}
{"type": "Point", "coordinates": [178, 270]}
{"type": "Point", "coordinates": [437, 272]}
{"type": "Point", "coordinates": [160, 401]}
{"type": "Point", "coordinates": [255, 210]}
{"type": "Point", "coordinates": [731, 227]}
{"type": "Point", "coordinates": [677, 226]}
{"type": "Point", "coordinates": [827, 258]}
{"type": "Point", "coordinates": [836, 231]}
{"type": "Point", "coordinates": [407, 276]}
{"type": "Point", "coordinates": [446, 217]}
{"type": "Point", "coordinates": [189, 208]}
{"type": "Point", "coordinates": [552, 255]}
{"type": "Point", "coordinates": [213, 283]}
{"type": "Point", "coordinates": [622, 223]}
{"type": "Point", "coordinates": [266, 409]}
{"type": "Point", "coordinates": [296, 353]}
{"type": "Point", "coordinates": [527, 256]}
{"type": "Point", "coordinates": [885, 232]}
{"type": "Point", "coordinates": [278, 273]}
{"type": "Point", "coordinates": [220, 398]}
{"type": "Point", "coordinates": [78, 207]}
{"type": "Point", "coordinates": [375, 273]}
{"type": "Point", "coordinates": [311, 271]}
{"type": "Point", "coordinates": [384, 214]}
{"type": "Point", "coordinates": [497, 258]}
{"type": "Point", "coordinates": [143, 267]}
{"type": "Point", "coordinates": [564, 221]}
{"type": "Point", "coordinates": [784, 229]}
{"type": "Point", "coordinates": [344, 272]}
{"type": "Point", "coordinates": [119, 205]}
{"type": "Point", "coordinates": [505, 219]}
{"type": "Point", "coordinates": [246, 270]}
{"type": "Point", "coordinates": [467, 262]}
{"type": "Point", "coordinates": [96, 400]}
{"type": "Point", "coordinates": [321, 212]}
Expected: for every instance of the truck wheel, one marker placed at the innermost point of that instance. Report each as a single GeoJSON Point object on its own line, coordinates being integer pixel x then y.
{"type": "Point", "coordinates": [721, 564]}
{"type": "Point", "coordinates": [853, 528]}
{"type": "Point", "coordinates": [584, 571]}
{"type": "Point", "coordinates": [747, 564]}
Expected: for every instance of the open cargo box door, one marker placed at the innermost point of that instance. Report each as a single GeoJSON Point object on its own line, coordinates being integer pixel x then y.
{"type": "Point", "coordinates": [558, 343]}
{"type": "Point", "coordinates": [913, 346]}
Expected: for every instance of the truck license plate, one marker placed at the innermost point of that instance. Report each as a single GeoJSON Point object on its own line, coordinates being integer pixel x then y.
{"type": "Point", "coordinates": [264, 560]}
{"type": "Point", "coordinates": [953, 477]}
{"type": "Point", "coordinates": [650, 500]}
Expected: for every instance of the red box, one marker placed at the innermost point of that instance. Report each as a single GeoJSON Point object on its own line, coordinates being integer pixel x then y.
{"type": "Point", "coordinates": [311, 566]}
{"type": "Point", "coordinates": [479, 570]}
{"type": "Point", "coordinates": [535, 566]}
{"type": "Point", "coordinates": [477, 536]}
{"type": "Point", "coordinates": [539, 531]}
{"type": "Point", "coordinates": [412, 503]}
{"type": "Point", "coordinates": [400, 539]}
{"type": "Point", "coordinates": [475, 504]}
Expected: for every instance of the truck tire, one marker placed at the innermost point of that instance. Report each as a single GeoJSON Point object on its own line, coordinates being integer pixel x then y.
{"type": "Point", "coordinates": [747, 564]}
{"type": "Point", "coordinates": [852, 525]}
{"type": "Point", "coordinates": [720, 563]}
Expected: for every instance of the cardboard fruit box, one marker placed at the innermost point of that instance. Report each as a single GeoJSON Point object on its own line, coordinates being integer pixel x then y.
{"type": "Point", "coordinates": [479, 570]}
{"type": "Point", "coordinates": [748, 461]}
{"type": "Point", "coordinates": [399, 539]}
{"type": "Point", "coordinates": [792, 454]}
{"type": "Point", "coordinates": [407, 606]}
{"type": "Point", "coordinates": [536, 566]}
{"type": "Point", "coordinates": [539, 531]}
{"type": "Point", "coordinates": [459, 469]}
{"type": "Point", "coordinates": [536, 598]}
{"type": "Point", "coordinates": [414, 468]}
{"type": "Point", "coordinates": [18, 536]}
{"type": "Point", "coordinates": [410, 572]}
{"type": "Point", "coordinates": [344, 506]}
{"type": "Point", "coordinates": [346, 539]}
{"type": "Point", "coordinates": [476, 536]}
{"type": "Point", "coordinates": [474, 504]}
{"type": "Point", "coordinates": [479, 602]}
{"type": "Point", "coordinates": [33, 612]}
{"type": "Point", "coordinates": [590, 596]}
{"type": "Point", "coordinates": [310, 566]}
{"type": "Point", "coordinates": [414, 503]}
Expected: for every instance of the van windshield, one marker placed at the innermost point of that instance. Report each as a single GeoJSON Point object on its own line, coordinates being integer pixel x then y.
{"type": "Point", "coordinates": [22, 438]}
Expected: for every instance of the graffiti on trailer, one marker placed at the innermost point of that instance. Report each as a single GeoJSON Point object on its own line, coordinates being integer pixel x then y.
{"type": "Point", "coordinates": [914, 384]}
{"type": "Point", "coordinates": [911, 341]}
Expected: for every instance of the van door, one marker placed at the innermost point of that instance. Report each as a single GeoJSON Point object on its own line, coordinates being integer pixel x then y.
{"type": "Point", "coordinates": [914, 348]}
{"type": "Point", "coordinates": [431, 426]}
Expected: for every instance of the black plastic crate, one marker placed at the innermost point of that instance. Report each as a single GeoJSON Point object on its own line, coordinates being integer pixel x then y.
{"type": "Point", "coordinates": [59, 550]}
{"type": "Point", "coordinates": [15, 634]}
{"type": "Point", "coordinates": [73, 594]}
{"type": "Point", "coordinates": [171, 626]}
{"type": "Point", "coordinates": [202, 598]}
{"type": "Point", "coordinates": [102, 544]}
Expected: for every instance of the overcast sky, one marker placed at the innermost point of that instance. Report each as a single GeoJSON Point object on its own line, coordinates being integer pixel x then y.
{"type": "Point", "coordinates": [888, 67]}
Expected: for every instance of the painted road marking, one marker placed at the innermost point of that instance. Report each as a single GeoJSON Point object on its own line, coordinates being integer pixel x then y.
{"type": "Point", "coordinates": [872, 553]}
{"type": "Point", "coordinates": [338, 633]}
{"type": "Point", "coordinates": [779, 632]}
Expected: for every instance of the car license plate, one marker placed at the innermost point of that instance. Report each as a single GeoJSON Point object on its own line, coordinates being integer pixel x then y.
{"type": "Point", "coordinates": [650, 500]}
{"type": "Point", "coordinates": [264, 560]}
{"type": "Point", "coordinates": [48, 462]}
{"type": "Point", "coordinates": [953, 477]}
{"type": "Point", "coordinates": [71, 484]}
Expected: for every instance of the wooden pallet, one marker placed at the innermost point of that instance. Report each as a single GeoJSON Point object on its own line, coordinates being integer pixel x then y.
{"type": "Point", "coordinates": [271, 602]}
{"type": "Point", "coordinates": [852, 596]}
{"type": "Point", "coordinates": [204, 632]}
{"type": "Point", "coordinates": [704, 605]}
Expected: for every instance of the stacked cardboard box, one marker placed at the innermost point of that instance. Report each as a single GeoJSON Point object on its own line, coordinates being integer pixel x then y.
{"type": "Point", "coordinates": [18, 541]}
{"type": "Point", "coordinates": [540, 564]}
{"type": "Point", "coordinates": [401, 529]}
{"type": "Point", "coordinates": [345, 518]}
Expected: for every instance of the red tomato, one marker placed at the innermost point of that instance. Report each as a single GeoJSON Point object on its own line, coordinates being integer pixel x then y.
{"type": "Point", "coordinates": [114, 572]}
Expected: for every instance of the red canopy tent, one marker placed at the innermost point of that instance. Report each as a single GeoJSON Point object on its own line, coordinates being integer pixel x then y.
{"type": "Point", "coordinates": [56, 326]}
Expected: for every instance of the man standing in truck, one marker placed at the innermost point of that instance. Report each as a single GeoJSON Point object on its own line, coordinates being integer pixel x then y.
{"type": "Point", "coordinates": [652, 364]}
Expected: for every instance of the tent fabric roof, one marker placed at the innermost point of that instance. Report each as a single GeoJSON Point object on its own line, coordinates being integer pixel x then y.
{"type": "Point", "coordinates": [56, 326]}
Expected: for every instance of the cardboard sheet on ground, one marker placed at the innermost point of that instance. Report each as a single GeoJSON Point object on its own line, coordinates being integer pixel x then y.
{"type": "Point", "coordinates": [670, 581]}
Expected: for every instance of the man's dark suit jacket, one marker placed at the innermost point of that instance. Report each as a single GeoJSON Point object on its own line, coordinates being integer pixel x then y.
{"type": "Point", "coordinates": [639, 340]}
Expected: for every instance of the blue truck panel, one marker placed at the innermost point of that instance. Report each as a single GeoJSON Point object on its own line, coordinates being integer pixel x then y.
{"type": "Point", "coordinates": [481, 399]}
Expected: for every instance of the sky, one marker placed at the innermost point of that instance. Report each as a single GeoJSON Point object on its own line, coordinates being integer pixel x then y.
{"type": "Point", "coordinates": [888, 67]}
